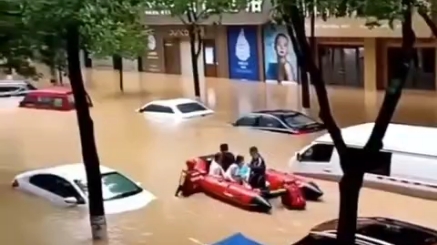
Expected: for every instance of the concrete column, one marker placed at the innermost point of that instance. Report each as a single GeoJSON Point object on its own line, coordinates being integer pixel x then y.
{"type": "Point", "coordinates": [187, 71]}
{"type": "Point", "coordinates": [370, 75]}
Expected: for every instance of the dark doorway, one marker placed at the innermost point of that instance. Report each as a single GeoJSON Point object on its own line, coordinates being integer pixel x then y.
{"type": "Point", "coordinates": [172, 57]}
{"type": "Point", "coordinates": [342, 65]}
{"type": "Point", "coordinates": [422, 73]}
{"type": "Point", "coordinates": [209, 58]}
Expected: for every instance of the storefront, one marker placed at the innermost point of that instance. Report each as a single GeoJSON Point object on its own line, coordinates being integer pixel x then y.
{"type": "Point", "coordinates": [169, 51]}
{"type": "Point", "coordinates": [246, 47]}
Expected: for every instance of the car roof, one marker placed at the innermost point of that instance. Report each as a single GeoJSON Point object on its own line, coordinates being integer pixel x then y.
{"type": "Point", "coordinates": [70, 172]}
{"type": "Point", "coordinates": [398, 138]}
{"type": "Point", "coordinates": [278, 112]}
{"type": "Point", "coordinates": [173, 102]}
{"type": "Point", "coordinates": [13, 82]}
{"type": "Point", "coordinates": [363, 221]}
{"type": "Point", "coordinates": [52, 90]}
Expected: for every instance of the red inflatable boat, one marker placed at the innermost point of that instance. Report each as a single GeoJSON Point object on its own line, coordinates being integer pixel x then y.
{"type": "Point", "coordinates": [195, 179]}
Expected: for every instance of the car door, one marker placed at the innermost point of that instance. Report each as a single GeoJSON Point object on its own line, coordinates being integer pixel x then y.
{"type": "Point", "coordinates": [247, 121]}
{"type": "Point", "coordinates": [53, 188]}
{"type": "Point", "coordinates": [271, 123]}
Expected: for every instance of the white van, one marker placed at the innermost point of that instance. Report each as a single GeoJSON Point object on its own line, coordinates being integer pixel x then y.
{"type": "Point", "coordinates": [410, 159]}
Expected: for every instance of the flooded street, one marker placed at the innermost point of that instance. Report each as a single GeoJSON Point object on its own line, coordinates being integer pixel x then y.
{"type": "Point", "coordinates": [154, 154]}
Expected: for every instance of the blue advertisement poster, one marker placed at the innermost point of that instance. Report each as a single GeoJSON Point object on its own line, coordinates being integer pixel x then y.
{"type": "Point", "coordinates": [280, 59]}
{"type": "Point", "coordinates": [243, 53]}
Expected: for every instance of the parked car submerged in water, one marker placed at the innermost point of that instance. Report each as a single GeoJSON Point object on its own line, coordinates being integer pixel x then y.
{"type": "Point", "coordinates": [54, 98]}
{"type": "Point", "coordinates": [373, 231]}
{"type": "Point", "coordinates": [13, 91]}
{"type": "Point", "coordinates": [15, 88]}
{"type": "Point", "coordinates": [280, 121]}
{"type": "Point", "coordinates": [181, 108]}
{"type": "Point", "coordinates": [66, 186]}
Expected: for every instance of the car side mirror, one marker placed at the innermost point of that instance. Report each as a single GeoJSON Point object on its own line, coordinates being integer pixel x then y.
{"type": "Point", "coordinates": [71, 200]}
{"type": "Point", "coordinates": [298, 157]}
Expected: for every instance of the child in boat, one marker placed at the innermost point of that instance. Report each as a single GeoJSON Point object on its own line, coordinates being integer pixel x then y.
{"type": "Point", "coordinates": [215, 168]}
{"type": "Point", "coordinates": [244, 171]}
{"type": "Point", "coordinates": [238, 172]}
{"type": "Point", "coordinates": [233, 172]}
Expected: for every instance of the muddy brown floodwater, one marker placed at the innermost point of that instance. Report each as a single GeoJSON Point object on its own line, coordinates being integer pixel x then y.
{"type": "Point", "coordinates": [154, 154]}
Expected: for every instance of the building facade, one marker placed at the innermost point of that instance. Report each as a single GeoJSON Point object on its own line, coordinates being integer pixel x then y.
{"type": "Point", "coordinates": [246, 47]}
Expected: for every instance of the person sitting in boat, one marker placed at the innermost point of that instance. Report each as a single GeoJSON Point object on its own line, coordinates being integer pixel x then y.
{"type": "Point", "coordinates": [227, 157]}
{"type": "Point", "coordinates": [257, 166]}
{"type": "Point", "coordinates": [233, 172]}
{"type": "Point", "coordinates": [215, 168]}
{"type": "Point", "coordinates": [238, 172]}
{"type": "Point", "coordinates": [244, 169]}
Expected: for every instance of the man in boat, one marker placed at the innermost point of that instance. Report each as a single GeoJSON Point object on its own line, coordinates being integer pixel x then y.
{"type": "Point", "coordinates": [227, 157]}
{"type": "Point", "coordinates": [257, 166]}
{"type": "Point", "coordinates": [215, 168]}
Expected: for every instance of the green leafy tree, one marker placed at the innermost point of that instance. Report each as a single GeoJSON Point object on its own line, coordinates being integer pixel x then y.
{"type": "Point", "coordinates": [100, 26]}
{"type": "Point", "coordinates": [354, 162]}
{"type": "Point", "coordinates": [126, 38]}
{"type": "Point", "coordinates": [193, 14]}
{"type": "Point", "coordinates": [52, 53]}
{"type": "Point", "coordinates": [16, 48]}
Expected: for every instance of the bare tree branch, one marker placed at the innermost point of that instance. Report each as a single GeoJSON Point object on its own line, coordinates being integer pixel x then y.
{"type": "Point", "coordinates": [182, 20]}
{"type": "Point", "coordinates": [432, 26]}
{"type": "Point", "coordinates": [297, 21]}
{"type": "Point", "coordinates": [199, 41]}
{"type": "Point", "coordinates": [394, 91]}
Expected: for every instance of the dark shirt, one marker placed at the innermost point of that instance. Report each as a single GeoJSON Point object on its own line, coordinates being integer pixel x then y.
{"type": "Point", "coordinates": [258, 166]}
{"type": "Point", "coordinates": [227, 160]}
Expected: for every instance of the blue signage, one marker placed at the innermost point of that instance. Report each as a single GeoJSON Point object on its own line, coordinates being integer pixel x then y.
{"type": "Point", "coordinates": [243, 53]}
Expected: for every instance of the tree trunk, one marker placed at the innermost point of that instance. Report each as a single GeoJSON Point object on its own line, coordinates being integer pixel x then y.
{"type": "Point", "coordinates": [61, 77]}
{"type": "Point", "coordinates": [194, 61]}
{"type": "Point", "coordinates": [349, 187]}
{"type": "Point", "coordinates": [86, 130]}
{"type": "Point", "coordinates": [120, 73]}
{"type": "Point", "coordinates": [306, 95]}
{"type": "Point", "coordinates": [53, 79]}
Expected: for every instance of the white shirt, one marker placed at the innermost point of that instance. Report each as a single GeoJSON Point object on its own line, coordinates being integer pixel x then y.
{"type": "Point", "coordinates": [215, 169]}
{"type": "Point", "coordinates": [232, 172]}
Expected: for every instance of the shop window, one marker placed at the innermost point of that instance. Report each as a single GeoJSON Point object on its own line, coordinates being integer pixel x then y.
{"type": "Point", "coordinates": [422, 73]}
{"type": "Point", "coordinates": [342, 65]}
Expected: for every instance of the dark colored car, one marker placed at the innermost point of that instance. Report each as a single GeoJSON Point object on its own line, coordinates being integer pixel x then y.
{"type": "Point", "coordinates": [374, 231]}
{"type": "Point", "coordinates": [281, 121]}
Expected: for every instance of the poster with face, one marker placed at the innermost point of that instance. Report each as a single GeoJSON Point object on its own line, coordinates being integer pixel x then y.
{"type": "Point", "coordinates": [280, 59]}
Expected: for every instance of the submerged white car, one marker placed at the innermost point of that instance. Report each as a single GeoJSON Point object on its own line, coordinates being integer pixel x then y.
{"type": "Point", "coordinates": [175, 109]}
{"type": "Point", "coordinates": [66, 186]}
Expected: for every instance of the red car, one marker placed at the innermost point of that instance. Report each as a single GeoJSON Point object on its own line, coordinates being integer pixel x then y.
{"type": "Point", "coordinates": [55, 98]}
{"type": "Point", "coordinates": [290, 189]}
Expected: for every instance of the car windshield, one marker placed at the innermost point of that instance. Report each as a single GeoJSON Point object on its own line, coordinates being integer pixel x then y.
{"type": "Point", "coordinates": [298, 120]}
{"type": "Point", "coordinates": [114, 186]}
{"type": "Point", "coordinates": [29, 86]}
{"type": "Point", "coordinates": [398, 234]}
{"type": "Point", "coordinates": [191, 107]}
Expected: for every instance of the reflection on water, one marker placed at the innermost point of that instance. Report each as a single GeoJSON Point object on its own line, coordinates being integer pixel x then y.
{"type": "Point", "coordinates": [154, 153]}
